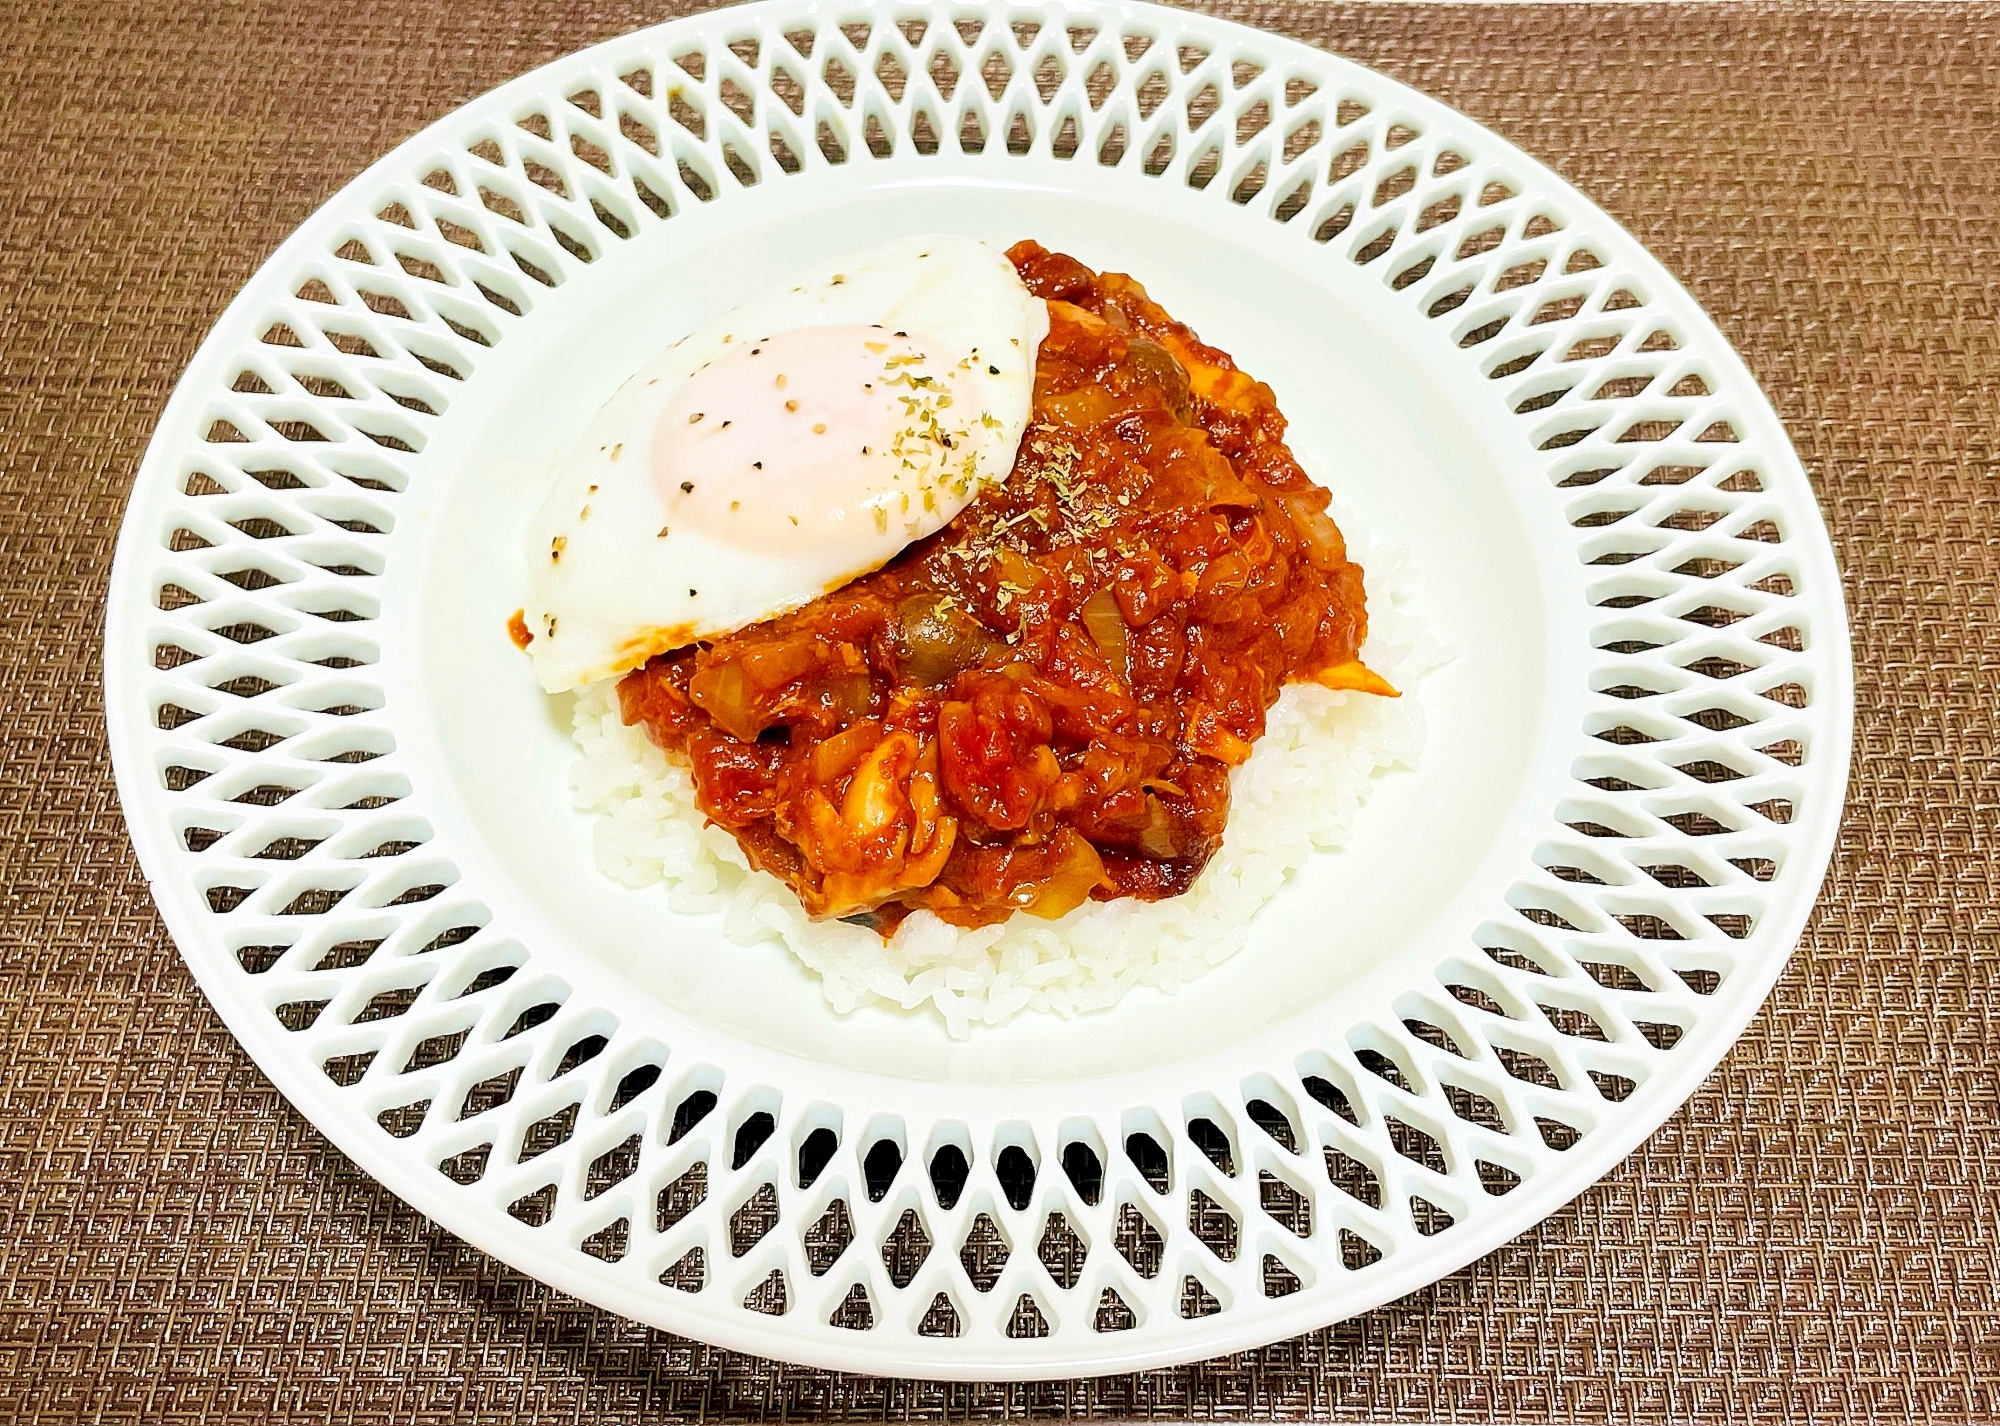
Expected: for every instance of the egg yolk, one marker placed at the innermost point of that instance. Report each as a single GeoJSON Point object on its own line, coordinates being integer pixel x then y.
{"type": "Point", "coordinates": [819, 434]}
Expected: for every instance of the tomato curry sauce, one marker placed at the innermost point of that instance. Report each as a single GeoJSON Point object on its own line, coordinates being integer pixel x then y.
{"type": "Point", "coordinates": [1041, 702]}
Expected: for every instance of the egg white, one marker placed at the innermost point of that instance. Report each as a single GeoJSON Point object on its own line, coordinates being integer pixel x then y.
{"type": "Point", "coordinates": [616, 574]}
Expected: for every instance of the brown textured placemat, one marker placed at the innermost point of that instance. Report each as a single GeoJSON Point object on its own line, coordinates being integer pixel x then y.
{"type": "Point", "coordinates": [1812, 1237]}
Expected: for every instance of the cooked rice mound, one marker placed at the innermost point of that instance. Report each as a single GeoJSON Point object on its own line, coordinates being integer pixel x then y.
{"type": "Point", "coordinates": [1299, 792]}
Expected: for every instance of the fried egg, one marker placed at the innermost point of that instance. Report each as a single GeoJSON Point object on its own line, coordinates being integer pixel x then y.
{"type": "Point", "coordinates": [798, 442]}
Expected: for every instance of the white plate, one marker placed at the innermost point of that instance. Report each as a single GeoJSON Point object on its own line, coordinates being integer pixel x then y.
{"type": "Point", "coordinates": [1487, 992]}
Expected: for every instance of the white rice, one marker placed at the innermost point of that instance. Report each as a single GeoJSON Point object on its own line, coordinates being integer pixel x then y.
{"type": "Point", "coordinates": [1298, 793]}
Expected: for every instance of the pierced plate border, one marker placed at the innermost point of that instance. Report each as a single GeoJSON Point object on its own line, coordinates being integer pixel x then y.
{"type": "Point", "coordinates": [284, 835]}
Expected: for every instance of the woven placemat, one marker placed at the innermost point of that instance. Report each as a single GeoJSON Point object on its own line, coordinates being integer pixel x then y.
{"type": "Point", "coordinates": [1812, 1238]}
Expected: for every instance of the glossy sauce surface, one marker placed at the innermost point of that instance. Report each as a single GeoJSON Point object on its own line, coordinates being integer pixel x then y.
{"type": "Point", "coordinates": [1041, 702]}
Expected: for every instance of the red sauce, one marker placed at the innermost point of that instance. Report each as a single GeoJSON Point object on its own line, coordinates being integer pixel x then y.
{"type": "Point", "coordinates": [1041, 702]}
{"type": "Point", "coordinates": [517, 629]}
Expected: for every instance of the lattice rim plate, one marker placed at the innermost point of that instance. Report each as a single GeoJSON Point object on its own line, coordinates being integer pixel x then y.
{"type": "Point", "coordinates": [255, 699]}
